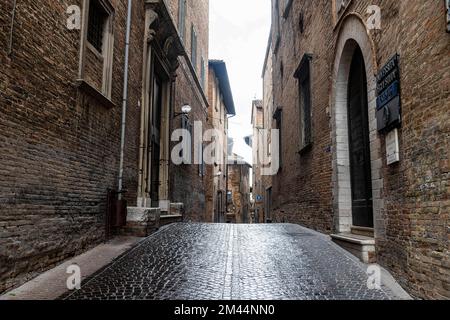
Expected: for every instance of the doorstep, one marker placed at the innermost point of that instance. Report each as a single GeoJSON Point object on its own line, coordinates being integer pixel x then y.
{"type": "Point", "coordinates": [167, 219]}
{"type": "Point", "coordinates": [363, 247]}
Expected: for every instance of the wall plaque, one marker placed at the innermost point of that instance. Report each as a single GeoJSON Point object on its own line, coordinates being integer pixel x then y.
{"type": "Point", "coordinates": [392, 147]}
{"type": "Point", "coordinates": [388, 96]}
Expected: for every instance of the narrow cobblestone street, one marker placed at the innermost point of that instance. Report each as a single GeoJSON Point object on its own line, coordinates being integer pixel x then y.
{"type": "Point", "coordinates": [223, 261]}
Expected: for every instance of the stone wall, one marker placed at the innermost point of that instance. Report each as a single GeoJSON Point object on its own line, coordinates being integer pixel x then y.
{"type": "Point", "coordinates": [411, 198]}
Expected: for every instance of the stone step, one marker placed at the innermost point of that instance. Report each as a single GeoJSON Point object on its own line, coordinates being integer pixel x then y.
{"type": "Point", "coordinates": [362, 247]}
{"type": "Point", "coordinates": [141, 222]}
{"type": "Point", "coordinates": [169, 219]}
{"type": "Point", "coordinates": [363, 231]}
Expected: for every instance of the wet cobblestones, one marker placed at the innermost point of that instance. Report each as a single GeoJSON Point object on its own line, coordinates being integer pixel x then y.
{"type": "Point", "coordinates": [244, 262]}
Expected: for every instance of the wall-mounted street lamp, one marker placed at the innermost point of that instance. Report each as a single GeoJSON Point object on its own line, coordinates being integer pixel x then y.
{"type": "Point", "coordinates": [185, 110]}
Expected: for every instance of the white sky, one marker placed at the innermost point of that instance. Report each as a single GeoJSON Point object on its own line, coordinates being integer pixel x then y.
{"type": "Point", "coordinates": [239, 30]}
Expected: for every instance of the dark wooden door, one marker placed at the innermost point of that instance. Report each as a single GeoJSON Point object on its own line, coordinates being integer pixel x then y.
{"type": "Point", "coordinates": [156, 141]}
{"type": "Point", "coordinates": [359, 143]}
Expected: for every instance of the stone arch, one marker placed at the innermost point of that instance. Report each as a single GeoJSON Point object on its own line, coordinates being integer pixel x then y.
{"type": "Point", "coordinates": [352, 34]}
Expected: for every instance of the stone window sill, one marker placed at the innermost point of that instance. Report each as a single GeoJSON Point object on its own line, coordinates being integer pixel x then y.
{"type": "Point", "coordinates": [93, 92]}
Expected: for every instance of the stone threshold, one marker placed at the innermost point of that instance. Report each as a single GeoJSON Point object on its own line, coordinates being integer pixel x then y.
{"type": "Point", "coordinates": [363, 247]}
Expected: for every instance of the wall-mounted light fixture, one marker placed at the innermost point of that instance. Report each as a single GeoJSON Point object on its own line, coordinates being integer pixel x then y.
{"type": "Point", "coordinates": [185, 110]}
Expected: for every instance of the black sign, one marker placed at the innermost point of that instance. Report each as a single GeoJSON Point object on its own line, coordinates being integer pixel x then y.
{"type": "Point", "coordinates": [448, 15]}
{"type": "Point", "coordinates": [388, 96]}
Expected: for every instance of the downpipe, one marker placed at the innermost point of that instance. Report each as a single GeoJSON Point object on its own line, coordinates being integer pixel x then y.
{"type": "Point", "coordinates": [124, 103]}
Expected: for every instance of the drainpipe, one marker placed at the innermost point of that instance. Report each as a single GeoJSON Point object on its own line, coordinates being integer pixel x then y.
{"type": "Point", "coordinates": [125, 100]}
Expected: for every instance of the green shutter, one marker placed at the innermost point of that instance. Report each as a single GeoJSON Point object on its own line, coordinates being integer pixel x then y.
{"type": "Point", "coordinates": [194, 48]}
{"type": "Point", "coordinates": [182, 19]}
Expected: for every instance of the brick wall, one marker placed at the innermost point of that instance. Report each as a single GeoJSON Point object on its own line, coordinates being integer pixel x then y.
{"type": "Point", "coordinates": [59, 145]}
{"type": "Point", "coordinates": [217, 119]}
{"type": "Point", "coordinates": [239, 185]}
{"type": "Point", "coordinates": [186, 184]}
{"type": "Point", "coordinates": [412, 231]}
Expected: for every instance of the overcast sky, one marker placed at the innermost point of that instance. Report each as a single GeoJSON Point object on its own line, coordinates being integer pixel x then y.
{"type": "Point", "coordinates": [239, 30]}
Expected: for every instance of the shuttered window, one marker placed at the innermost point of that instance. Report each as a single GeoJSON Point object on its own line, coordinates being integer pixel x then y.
{"type": "Point", "coordinates": [186, 125]}
{"type": "Point", "coordinates": [194, 48]}
{"type": "Point", "coordinates": [203, 74]}
{"type": "Point", "coordinates": [278, 116]}
{"type": "Point", "coordinates": [202, 164]}
{"type": "Point", "coordinates": [287, 8]}
{"type": "Point", "coordinates": [303, 75]}
{"type": "Point", "coordinates": [182, 19]}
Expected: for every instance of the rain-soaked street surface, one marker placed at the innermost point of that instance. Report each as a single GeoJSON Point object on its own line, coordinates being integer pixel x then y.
{"type": "Point", "coordinates": [224, 261]}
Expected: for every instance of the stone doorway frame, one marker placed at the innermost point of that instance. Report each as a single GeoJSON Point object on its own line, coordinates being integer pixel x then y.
{"type": "Point", "coordinates": [352, 33]}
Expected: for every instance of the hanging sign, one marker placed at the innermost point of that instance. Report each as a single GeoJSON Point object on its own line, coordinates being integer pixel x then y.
{"type": "Point", "coordinates": [388, 96]}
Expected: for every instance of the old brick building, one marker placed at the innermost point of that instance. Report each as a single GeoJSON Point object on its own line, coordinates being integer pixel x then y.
{"type": "Point", "coordinates": [61, 92]}
{"type": "Point", "coordinates": [221, 108]}
{"type": "Point", "coordinates": [337, 87]}
{"type": "Point", "coordinates": [258, 146]}
{"type": "Point", "coordinates": [238, 195]}
{"type": "Point", "coordinates": [187, 183]}
{"type": "Point", "coordinates": [262, 121]}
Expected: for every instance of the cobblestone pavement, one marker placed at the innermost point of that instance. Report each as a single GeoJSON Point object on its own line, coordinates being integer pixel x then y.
{"type": "Point", "coordinates": [223, 261]}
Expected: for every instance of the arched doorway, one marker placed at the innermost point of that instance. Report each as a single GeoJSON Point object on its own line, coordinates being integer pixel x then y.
{"type": "Point", "coordinates": [357, 156]}
{"type": "Point", "coordinates": [359, 143]}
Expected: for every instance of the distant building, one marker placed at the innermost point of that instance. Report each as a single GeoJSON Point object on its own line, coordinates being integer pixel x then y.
{"type": "Point", "coordinates": [258, 146]}
{"type": "Point", "coordinates": [238, 195]}
{"type": "Point", "coordinates": [221, 107]}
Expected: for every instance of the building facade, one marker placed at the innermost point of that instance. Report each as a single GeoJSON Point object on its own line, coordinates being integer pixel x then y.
{"type": "Point", "coordinates": [188, 183]}
{"type": "Point", "coordinates": [238, 195]}
{"type": "Point", "coordinates": [258, 147]}
{"type": "Point", "coordinates": [221, 108]}
{"type": "Point", "coordinates": [362, 102]}
{"type": "Point", "coordinates": [61, 93]}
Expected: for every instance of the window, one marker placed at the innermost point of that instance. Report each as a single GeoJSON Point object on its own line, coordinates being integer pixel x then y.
{"type": "Point", "coordinates": [96, 25]}
{"type": "Point", "coordinates": [182, 19]}
{"type": "Point", "coordinates": [276, 25]}
{"type": "Point", "coordinates": [203, 73]}
{"type": "Point", "coordinates": [303, 75]}
{"type": "Point", "coordinates": [202, 164]}
{"type": "Point", "coordinates": [97, 49]}
{"type": "Point", "coordinates": [194, 48]}
{"type": "Point", "coordinates": [186, 125]}
{"type": "Point", "coordinates": [278, 116]}
{"type": "Point", "coordinates": [287, 8]}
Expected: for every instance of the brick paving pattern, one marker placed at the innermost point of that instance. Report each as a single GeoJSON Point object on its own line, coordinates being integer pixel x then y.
{"type": "Point", "coordinates": [224, 261]}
